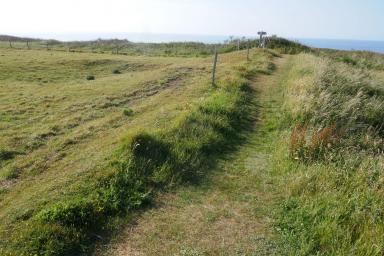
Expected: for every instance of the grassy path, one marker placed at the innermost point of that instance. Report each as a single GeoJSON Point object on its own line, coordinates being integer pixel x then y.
{"type": "Point", "coordinates": [229, 213]}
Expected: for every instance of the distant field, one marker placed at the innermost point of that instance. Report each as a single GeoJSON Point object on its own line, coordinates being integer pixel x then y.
{"type": "Point", "coordinates": [122, 47]}
{"type": "Point", "coordinates": [170, 49]}
{"type": "Point", "coordinates": [59, 127]}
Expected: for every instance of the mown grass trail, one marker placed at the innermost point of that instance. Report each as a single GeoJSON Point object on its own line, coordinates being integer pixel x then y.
{"type": "Point", "coordinates": [228, 214]}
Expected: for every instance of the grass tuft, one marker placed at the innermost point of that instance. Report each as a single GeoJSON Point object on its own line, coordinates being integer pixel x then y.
{"type": "Point", "coordinates": [90, 77]}
{"type": "Point", "coordinates": [128, 112]}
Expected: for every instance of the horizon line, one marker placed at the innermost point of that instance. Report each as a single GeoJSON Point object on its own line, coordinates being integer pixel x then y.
{"type": "Point", "coordinates": [118, 35]}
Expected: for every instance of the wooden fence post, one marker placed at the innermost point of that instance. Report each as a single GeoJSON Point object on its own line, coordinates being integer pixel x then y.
{"type": "Point", "coordinates": [10, 44]}
{"type": "Point", "coordinates": [28, 45]}
{"type": "Point", "coordinates": [248, 50]}
{"type": "Point", "coordinates": [238, 45]}
{"type": "Point", "coordinates": [214, 68]}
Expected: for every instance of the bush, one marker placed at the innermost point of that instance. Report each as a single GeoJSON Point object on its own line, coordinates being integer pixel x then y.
{"type": "Point", "coordinates": [45, 239]}
{"type": "Point", "coordinates": [116, 71]}
{"type": "Point", "coordinates": [90, 77]}
{"type": "Point", "coordinates": [128, 112]}
{"type": "Point", "coordinates": [73, 214]}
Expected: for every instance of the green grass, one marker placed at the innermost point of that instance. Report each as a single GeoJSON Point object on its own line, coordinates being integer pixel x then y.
{"type": "Point", "coordinates": [361, 59]}
{"type": "Point", "coordinates": [124, 47]}
{"type": "Point", "coordinates": [224, 213]}
{"type": "Point", "coordinates": [69, 128]}
{"type": "Point", "coordinates": [171, 49]}
{"type": "Point", "coordinates": [330, 166]}
{"type": "Point", "coordinates": [65, 130]}
{"type": "Point", "coordinates": [79, 156]}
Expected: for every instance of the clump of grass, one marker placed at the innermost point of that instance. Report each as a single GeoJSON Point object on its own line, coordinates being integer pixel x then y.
{"type": "Point", "coordinates": [12, 173]}
{"type": "Point", "coordinates": [128, 112]}
{"type": "Point", "coordinates": [90, 77]}
{"type": "Point", "coordinates": [7, 154]}
{"type": "Point", "coordinates": [298, 141]}
{"type": "Point", "coordinates": [116, 72]}
{"type": "Point", "coordinates": [312, 145]}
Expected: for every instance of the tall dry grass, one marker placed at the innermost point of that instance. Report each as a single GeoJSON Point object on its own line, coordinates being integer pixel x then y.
{"type": "Point", "coordinates": [334, 176]}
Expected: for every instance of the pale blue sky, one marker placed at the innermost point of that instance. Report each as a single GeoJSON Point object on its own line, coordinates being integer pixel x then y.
{"type": "Point", "coordinates": [339, 19]}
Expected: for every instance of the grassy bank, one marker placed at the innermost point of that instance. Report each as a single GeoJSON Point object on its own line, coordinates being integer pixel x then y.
{"type": "Point", "coordinates": [146, 163]}
{"type": "Point", "coordinates": [329, 160]}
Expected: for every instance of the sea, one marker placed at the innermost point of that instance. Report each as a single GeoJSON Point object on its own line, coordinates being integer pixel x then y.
{"type": "Point", "coordinates": [348, 45]}
{"type": "Point", "coordinates": [363, 45]}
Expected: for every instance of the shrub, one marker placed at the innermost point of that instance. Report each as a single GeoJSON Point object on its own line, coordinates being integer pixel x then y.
{"type": "Point", "coordinates": [348, 60]}
{"type": "Point", "coordinates": [128, 112]}
{"type": "Point", "coordinates": [90, 77]}
{"type": "Point", "coordinates": [45, 239]}
{"type": "Point", "coordinates": [116, 71]}
{"type": "Point", "coordinates": [73, 214]}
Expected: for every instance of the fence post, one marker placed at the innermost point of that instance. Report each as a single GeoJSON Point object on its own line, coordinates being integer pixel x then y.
{"type": "Point", "coordinates": [28, 45]}
{"type": "Point", "coordinates": [214, 68]}
{"type": "Point", "coordinates": [248, 50]}
{"type": "Point", "coordinates": [238, 45]}
{"type": "Point", "coordinates": [10, 44]}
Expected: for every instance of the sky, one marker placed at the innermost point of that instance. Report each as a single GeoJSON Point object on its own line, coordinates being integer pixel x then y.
{"type": "Point", "coordinates": [332, 19]}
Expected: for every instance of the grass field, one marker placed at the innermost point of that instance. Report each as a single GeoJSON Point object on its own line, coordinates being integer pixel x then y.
{"type": "Point", "coordinates": [308, 180]}
{"type": "Point", "coordinates": [59, 130]}
{"type": "Point", "coordinates": [50, 112]}
{"type": "Point", "coordinates": [284, 156]}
